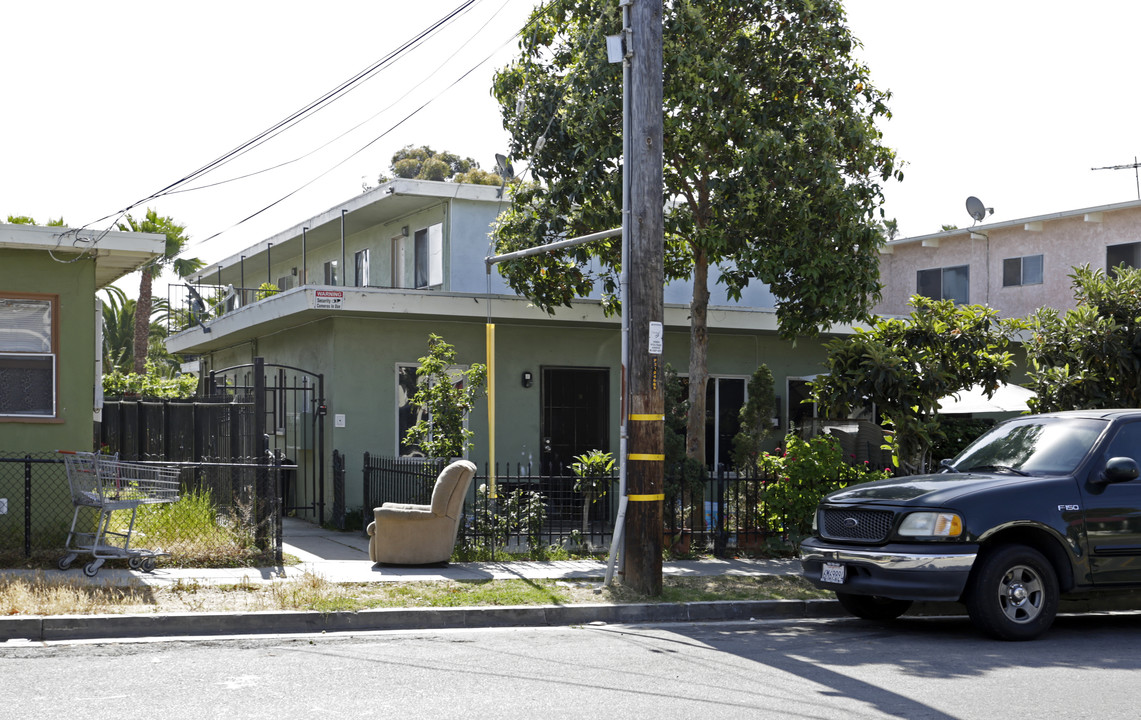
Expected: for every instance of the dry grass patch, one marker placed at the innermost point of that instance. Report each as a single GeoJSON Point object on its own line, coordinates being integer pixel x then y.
{"type": "Point", "coordinates": [34, 595]}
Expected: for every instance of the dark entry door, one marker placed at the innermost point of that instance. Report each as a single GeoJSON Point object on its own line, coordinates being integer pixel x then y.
{"type": "Point", "coordinates": [576, 405]}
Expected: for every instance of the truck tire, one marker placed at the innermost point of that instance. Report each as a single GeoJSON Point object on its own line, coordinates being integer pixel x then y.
{"type": "Point", "coordinates": [873, 607]}
{"type": "Point", "coordinates": [1013, 594]}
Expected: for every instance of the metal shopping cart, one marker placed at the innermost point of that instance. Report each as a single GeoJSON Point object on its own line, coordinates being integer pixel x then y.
{"type": "Point", "coordinates": [106, 484]}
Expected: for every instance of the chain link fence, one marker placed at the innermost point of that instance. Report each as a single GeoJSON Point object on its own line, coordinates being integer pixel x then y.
{"type": "Point", "coordinates": [226, 515]}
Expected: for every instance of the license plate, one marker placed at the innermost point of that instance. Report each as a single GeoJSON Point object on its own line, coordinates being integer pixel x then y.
{"type": "Point", "coordinates": [832, 573]}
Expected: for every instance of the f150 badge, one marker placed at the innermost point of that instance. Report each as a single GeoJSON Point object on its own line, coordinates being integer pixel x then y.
{"type": "Point", "coordinates": [1066, 508]}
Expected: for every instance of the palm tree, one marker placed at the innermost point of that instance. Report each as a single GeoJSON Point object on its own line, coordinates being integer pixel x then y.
{"type": "Point", "coordinates": [118, 331]}
{"type": "Point", "coordinates": [119, 335]}
{"type": "Point", "coordinates": [175, 243]}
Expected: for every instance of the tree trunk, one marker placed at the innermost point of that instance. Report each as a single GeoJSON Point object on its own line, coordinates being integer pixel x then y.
{"type": "Point", "coordinates": [143, 321]}
{"type": "Point", "coordinates": [698, 357]}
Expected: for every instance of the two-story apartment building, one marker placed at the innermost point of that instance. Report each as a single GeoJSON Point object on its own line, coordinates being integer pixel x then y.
{"type": "Point", "coordinates": [365, 283]}
{"type": "Point", "coordinates": [1015, 266]}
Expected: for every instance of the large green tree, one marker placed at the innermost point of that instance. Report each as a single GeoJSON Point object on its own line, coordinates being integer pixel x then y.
{"type": "Point", "coordinates": [906, 365]}
{"type": "Point", "coordinates": [176, 241]}
{"type": "Point", "coordinates": [773, 161]}
{"type": "Point", "coordinates": [424, 163]}
{"type": "Point", "coordinates": [1089, 356]}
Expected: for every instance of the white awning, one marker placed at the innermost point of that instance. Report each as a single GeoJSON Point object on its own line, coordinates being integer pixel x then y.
{"type": "Point", "coordinates": [1008, 398]}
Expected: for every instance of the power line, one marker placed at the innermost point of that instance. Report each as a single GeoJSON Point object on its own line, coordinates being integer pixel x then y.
{"type": "Point", "coordinates": [372, 117]}
{"type": "Point", "coordinates": [358, 151]}
{"type": "Point", "coordinates": [307, 111]}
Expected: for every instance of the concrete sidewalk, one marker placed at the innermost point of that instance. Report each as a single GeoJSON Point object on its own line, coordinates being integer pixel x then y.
{"type": "Point", "coordinates": [343, 558]}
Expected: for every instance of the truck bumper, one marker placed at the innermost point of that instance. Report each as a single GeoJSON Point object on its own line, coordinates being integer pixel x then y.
{"type": "Point", "coordinates": [903, 572]}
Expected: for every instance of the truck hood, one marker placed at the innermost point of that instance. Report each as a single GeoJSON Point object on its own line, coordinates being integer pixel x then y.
{"type": "Point", "coordinates": [930, 490]}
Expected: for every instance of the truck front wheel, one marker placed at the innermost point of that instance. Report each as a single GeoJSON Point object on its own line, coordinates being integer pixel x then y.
{"type": "Point", "coordinates": [1013, 594]}
{"type": "Point", "coordinates": [872, 607]}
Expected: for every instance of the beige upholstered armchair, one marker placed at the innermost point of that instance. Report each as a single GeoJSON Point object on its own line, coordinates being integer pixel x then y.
{"type": "Point", "coordinates": [422, 534]}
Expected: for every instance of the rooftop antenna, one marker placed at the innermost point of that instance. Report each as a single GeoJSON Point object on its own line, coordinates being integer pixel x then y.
{"type": "Point", "coordinates": [1136, 174]}
{"type": "Point", "coordinates": [977, 210]}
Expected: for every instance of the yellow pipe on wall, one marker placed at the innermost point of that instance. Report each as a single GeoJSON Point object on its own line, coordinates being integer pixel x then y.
{"type": "Point", "coordinates": [491, 410]}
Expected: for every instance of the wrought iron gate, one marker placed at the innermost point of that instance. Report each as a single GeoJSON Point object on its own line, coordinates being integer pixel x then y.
{"type": "Point", "coordinates": [288, 408]}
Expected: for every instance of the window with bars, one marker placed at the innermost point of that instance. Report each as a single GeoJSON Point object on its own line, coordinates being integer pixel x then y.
{"type": "Point", "coordinates": [28, 351]}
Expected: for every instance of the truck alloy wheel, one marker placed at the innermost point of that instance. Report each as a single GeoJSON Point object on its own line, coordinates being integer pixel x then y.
{"type": "Point", "coordinates": [1013, 594]}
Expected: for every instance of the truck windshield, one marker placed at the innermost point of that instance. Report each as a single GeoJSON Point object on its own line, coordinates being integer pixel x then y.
{"type": "Point", "coordinates": [1037, 446]}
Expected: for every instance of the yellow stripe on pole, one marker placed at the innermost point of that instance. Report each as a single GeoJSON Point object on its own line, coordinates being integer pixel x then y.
{"type": "Point", "coordinates": [646, 498]}
{"type": "Point", "coordinates": [646, 456]}
{"type": "Point", "coordinates": [491, 410]}
{"type": "Point", "coordinates": [648, 418]}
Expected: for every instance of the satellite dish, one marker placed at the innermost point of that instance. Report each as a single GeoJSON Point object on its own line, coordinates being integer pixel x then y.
{"type": "Point", "coordinates": [503, 167]}
{"type": "Point", "coordinates": [976, 209]}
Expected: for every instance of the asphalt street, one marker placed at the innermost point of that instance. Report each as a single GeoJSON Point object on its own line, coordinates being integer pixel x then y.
{"type": "Point", "coordinates": [919, 668]}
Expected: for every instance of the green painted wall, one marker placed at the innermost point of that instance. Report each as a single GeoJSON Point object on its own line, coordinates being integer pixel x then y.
{"type": "Point", "coordinates": [36, 272]}
{"type": "Point", "coordinates": [359, 357]}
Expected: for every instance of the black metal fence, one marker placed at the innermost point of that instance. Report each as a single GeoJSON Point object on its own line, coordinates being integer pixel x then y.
{"type": "Point", "coordinates": [227, 512]}
{"type": "Point", "coordinates": [518, 507]}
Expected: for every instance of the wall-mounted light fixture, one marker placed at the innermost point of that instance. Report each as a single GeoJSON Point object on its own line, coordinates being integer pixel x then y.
{"type": "Point", "coordinates": [404, 231]}
{"type": "Point", "coordinates": [528, 379]}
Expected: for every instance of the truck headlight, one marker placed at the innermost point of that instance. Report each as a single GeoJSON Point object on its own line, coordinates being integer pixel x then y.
{"type": "Point", "coordinates": [932, 524]}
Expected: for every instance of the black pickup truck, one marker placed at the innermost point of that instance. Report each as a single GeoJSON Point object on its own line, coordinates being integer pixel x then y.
{"type": "Point", "coordinates": [1039, 508]}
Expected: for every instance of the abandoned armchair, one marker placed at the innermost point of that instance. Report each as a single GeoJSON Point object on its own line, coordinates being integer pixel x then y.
{"type": "Point", "coordinates": [422, 534]}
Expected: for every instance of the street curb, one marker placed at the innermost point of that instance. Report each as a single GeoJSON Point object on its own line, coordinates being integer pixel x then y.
{"type": "Point", "coordinates": [190, 624]}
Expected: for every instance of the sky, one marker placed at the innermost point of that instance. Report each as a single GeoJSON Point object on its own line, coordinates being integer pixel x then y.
{"type": "Point", "coordinates": [106, 103]}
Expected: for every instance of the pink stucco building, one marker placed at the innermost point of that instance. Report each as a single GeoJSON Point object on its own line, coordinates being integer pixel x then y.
{"type": "Point", "coordinates": [1015, 266]}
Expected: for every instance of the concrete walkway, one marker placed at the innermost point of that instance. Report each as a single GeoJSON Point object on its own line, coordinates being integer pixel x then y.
{"type": "Point", "coordinates": [342, 557]}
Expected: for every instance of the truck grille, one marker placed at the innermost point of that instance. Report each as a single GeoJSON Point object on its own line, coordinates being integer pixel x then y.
{"type": "Point", "coordinates": [856, 524]}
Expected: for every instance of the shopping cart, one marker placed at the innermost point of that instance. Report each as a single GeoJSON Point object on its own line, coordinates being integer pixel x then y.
{"type": "Point", "coordinates": [104, 483]}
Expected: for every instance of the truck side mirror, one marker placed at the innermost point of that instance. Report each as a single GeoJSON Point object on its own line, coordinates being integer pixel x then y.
{"type": "Point", "coordinates": [1120, 469]}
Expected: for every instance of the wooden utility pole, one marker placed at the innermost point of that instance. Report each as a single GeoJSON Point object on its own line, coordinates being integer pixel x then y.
{"type": "Point", "coordinates": [646, 252]}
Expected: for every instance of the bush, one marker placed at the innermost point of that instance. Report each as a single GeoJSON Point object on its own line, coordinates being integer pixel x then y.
{"type": "Point", "coordinates": [150, 384]}
{"type": "Point", "coordinates": [801, 475]}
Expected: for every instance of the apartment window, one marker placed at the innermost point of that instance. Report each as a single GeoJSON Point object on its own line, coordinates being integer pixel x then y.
{"type": "Point", "coordinates": [360, 268]}
{"type": "Point", "coordinates": [331, 274]}
{"type": "Point", "coordinates": [408, 414]}
{"type": "Point", "coordinates": [28, 351]}
{"type": "Point", "coordinates": [1127, 254]}
{"type": "Point", "coordinates": [1022, 271]}
{"type": "Point", "coordinates": [949, 283]}
{"type": "Point", "coordinates": [285, 282]}
{"type": "Point", "coordinates": [724, 397]}
{"type": "Point", "coordinates": [429, 252]}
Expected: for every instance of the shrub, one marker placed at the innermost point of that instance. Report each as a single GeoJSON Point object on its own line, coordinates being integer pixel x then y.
{"type": "Point", "coordinates": [801, 475]}
{"type": "Point", "coordinates": [150, 384]}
